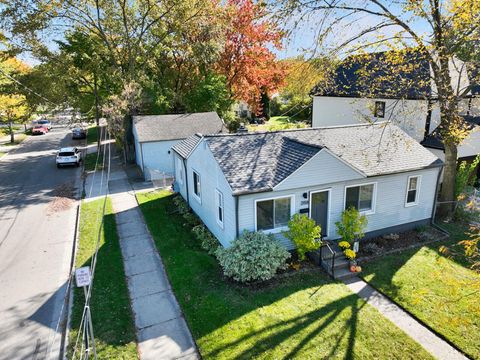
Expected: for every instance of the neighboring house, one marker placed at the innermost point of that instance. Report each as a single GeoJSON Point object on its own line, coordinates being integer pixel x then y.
{"type": "Point", "coordinates": [242, 109]}
{"type": "Point", "coordinates": [154, 136]}
{"type": "Point", "coordinates": [368, 88]}
{"type": "Point", "coordinates": [257, 181]}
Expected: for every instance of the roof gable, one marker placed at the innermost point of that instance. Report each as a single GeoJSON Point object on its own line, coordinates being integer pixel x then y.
{"type": "Point", "coordinates": [176, 126]}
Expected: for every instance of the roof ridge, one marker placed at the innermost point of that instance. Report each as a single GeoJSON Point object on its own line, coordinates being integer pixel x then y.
{"type": "Point", "coordinates": [378, 123]}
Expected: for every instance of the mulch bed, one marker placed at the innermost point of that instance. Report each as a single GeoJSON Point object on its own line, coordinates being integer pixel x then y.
{"type": "Point", "coordinates": [391, 243]}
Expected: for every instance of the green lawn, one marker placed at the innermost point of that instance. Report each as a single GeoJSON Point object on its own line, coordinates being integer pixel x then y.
{"type": "Point", "coordinates": [2, 154]}
{"type": "Point", "coordinates": [91, 159]}
{"type": "Point", "coordinates": [18, 138]}
{"type": "Point", "coordinates": [440, 291]}
{"type": "Point", "coordinates": [92, 134]}
{"type": "Point", "coordinates": [110, 306]}
{"type": "Point", "coordinates": [276, 123]}
{"type": "Point", "coordinates": [302, 316]}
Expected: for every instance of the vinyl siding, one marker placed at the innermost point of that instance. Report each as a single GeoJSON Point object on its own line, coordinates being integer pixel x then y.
{"type": "Point", "coordinates": [211, 177]}
{"type": "Point", "coordinates": [180, 185]}
{"type": "Point", "coordinates": [390, 207]}
{"type": "Point", "coordinates": [156, 155]}
{"type": "Point", "coordinates": [409, 115]}
{"type": "Point", "coordinates": [323, 168]}
{"type": "Point", "coordinates": [138, 151]}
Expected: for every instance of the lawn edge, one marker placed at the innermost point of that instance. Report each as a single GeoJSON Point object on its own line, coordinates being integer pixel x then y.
{"type": "Point", "coordinates": [421, 322]}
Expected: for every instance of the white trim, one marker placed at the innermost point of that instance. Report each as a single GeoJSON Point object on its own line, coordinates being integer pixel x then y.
{"type": "Point", "coordinates": [417, 190]}
{"type": "Point", "coordinates": [329, 190]}
{"type": "Point", "coordinates": [312, 158]}
{"type": "Point", "coordinates": [374, 197]}
{"type": "Point", "coordinates": [274, 230]}
{"type": "Point", "coordinates": [195, 196]}
{"type": "Point", "coordinates": [217, 206]}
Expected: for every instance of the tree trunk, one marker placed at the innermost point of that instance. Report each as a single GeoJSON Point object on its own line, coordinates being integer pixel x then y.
{"type": "Point", "coordinates": [12, 136]}
{"type": "Point", "coordinates": [447, 196]}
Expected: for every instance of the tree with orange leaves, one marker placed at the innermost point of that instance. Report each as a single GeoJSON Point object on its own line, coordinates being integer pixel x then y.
{"type": "Point", "coordinates": [248, 64]}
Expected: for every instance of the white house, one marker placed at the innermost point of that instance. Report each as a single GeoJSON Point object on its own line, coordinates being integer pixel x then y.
{"type": "Point", "coordinates": [154, 136]}
{"type": "Point", "coordinates": [368, 88]}
{"type": "Point", "coordinates": [257, 181]}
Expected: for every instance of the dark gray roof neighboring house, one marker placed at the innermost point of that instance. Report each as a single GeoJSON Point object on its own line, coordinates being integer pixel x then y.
{"type": "Point", "coordinates": [175, 127]}
{"type": "Point", "coordinates": [256, 162]}
{"type": "Point", "coordinates": [377, 75]}
{"type": "Point", "coordinates": [184, 148]}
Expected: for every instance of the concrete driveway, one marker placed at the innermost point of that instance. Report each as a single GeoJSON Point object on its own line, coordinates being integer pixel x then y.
{"type": "Point", "coordinates": [37, 224]}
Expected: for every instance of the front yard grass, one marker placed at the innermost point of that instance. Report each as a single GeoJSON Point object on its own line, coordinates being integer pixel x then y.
{"type": "Point", "coordinates": [110, 306]}
{"type": "Point", "coordinates": [440, 291]}
{"type": "Point", "coordinates": [304, 315]}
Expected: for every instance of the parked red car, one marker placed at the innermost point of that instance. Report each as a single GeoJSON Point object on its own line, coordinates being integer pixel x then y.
{"type": "Point", "coordinates": [39, 130]}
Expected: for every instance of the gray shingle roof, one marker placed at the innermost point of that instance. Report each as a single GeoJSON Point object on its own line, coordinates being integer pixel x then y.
{"type": "Point", "coordinates": [184, 148]}
{"type": "Point", "coordinates": [177, 126]}
{"type": "Point", "coordinates": [259, 161]}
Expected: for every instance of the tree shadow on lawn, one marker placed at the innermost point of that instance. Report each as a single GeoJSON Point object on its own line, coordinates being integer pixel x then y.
{"type": "Point", "coordinates": [286, 316]}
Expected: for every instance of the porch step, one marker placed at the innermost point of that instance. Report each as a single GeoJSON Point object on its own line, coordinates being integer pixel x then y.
{"type": "Point", "coordinates": [344, 273]}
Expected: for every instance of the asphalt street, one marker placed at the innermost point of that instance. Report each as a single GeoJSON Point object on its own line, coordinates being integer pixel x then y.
{"type": "Point", "coordinates": [37, 225]}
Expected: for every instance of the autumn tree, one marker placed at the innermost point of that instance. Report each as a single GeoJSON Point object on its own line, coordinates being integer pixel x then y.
{"type": "Point", "coordinates": [449, 24]}
{"type": "Point", "coordinates": [247, 61]}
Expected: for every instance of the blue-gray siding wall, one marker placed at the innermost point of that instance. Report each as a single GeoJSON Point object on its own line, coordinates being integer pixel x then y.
{"type": "Point", "coordinates": [211, 177]}
{"type": "Point", "coordinates": [390, 209]}
{"type": "Point", "coordinates": [159, 155]}
{"type": "Point", "coordinates": [138, 154]}
{"type": "Point", "coordinates": [323, 168]}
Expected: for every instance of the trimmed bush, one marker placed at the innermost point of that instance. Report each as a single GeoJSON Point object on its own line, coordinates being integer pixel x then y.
{"type": "Point", "coordinates": [208, 242]}
{"type": "Point", "coordinates": [304, 233]}
{"type": "Point", "coordinates": [253, 256]}
{"type": "Point", "coordinates": [181, 205]}
{"type": "Point", "coordinates": [192, 219]}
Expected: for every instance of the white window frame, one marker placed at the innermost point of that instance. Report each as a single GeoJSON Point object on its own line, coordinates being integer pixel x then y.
{"type": "Point", "coordinates": [375, 109]}
{"type": "Point", "coordinates": [219, 205]}
{"type": "Point", "coordinates": [197, 197]}
{"type": "Point", "coordinates": [279, 229]}
{"type": "Point", "coordinates": [417, 194]}
{"type": "Point", "coordinates": [374, 198]}
{"type": "Point", "coordinates": [329, 190]}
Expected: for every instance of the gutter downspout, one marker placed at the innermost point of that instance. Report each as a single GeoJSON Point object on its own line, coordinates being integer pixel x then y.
{"type": "Point", "coordinates": [237, 231]}
{"type": "Point", "coordinates": [143, 164]}
{"type": "Point", "coordinates": [186, 180]}
{"type": "Point", "coordinates": [434, 210]}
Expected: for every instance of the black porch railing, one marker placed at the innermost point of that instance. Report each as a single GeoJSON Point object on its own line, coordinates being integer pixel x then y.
{"type": "Point", "coordinates": [327, 258]}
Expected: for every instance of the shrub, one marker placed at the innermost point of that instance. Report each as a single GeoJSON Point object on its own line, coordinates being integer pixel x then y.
{"type": "Point", "coordinates": [192, 219]}
{"type": "Point", "coordinates": [465, 175]}
{"type": "Point", "coordinates": [181, 205]}
{"type": "Point", "coordinates": [304, 233]}
{"type": "Point", "coordinates": [372, 249]}
{"type": "Point", "coordinates": [350, 254]}
{"type": "Point", "coordinates": [253, 256]}
{"type": "Point", "coordinates": [352, 225]}
{"type": "Point", "coordinates": [344, 245]}
{"type": "Point", "coordinates": [208, 242]}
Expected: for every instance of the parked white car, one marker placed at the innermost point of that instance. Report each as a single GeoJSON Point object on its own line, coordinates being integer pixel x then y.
{"type": "Point", "coordinates": [69, 156]}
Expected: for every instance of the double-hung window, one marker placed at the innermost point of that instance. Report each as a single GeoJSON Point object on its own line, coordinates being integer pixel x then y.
{"type": "Point", "coordinates": [379, 109]}
{"type": "Point", "coordinates": [196, 185]}
{"type": "Point", "coordinates": [361, 197]}
{"type": "Point", "coordinates": [413, 185]}
{"type": "Point", "coordinates": [273, 213]}
{"type": "Point", "coordinates": [219, 207]}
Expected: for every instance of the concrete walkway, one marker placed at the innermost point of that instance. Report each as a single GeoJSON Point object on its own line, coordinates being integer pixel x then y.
{"type": "Point", "coordinates": [431, 342]}
{"type": "Point", "coordinates": [161, 329]}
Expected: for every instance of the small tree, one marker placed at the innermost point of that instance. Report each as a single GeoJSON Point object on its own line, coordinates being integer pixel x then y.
{"type": "Point", "coordinates": [352, 225]}
{"type": "Point", "coordinates": [12, 109]}
{"type": "Point", "coordinates": [465, 175]}
{"type": "Point", "coordinates": [304, 233]}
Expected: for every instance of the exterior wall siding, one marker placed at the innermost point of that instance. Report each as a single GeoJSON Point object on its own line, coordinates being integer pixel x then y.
{"type": "Point", "coordinates": [156, 155]}
{"type": "Point", "coordinates": [138, 153]}
{"type": "Point", "coordinates": [211, 178]}
{"type": "Point", "coordinates": [179, 174]}
{"type": "Point", "coordinates": [390, 209]}
{"type": "Point", "coordinates": [410, 115]}
{"type": "Point", "coordinates": [323, 168]}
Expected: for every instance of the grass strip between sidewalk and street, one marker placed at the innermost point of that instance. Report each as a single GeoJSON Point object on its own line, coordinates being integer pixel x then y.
{"type": "Point", "coordinates": [440, 291]}
{"type": "Point", "coordinates": [113, 324]}
{"type": "Point", "coordinates": [304, 315]}
{"type": "Point", "coordinates": [90, 161]}
{"type": "Point", "coordinates": [92, 135]}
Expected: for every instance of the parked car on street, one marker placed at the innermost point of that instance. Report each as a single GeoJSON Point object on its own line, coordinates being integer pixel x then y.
{"type": "Point", "coordinates": [79, 132]}
{"type": "Point", "coordinates": [46, 123]}
{"type": "Point", "coordinates": [68, 156]}
{"type": "Point", "coordinates": [39, 130]}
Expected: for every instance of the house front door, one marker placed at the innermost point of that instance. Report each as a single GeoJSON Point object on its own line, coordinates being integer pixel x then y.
{"type": "Point", "coordinates": [319, 209]}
